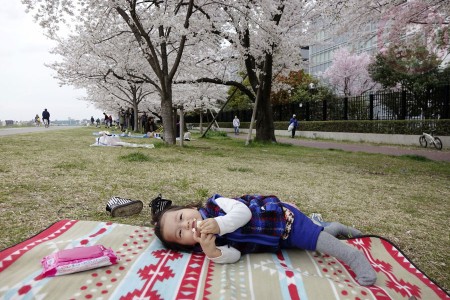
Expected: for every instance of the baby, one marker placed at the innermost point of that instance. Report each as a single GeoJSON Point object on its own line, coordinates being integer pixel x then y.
{"type": "Point", "coordinates": [249, 224]}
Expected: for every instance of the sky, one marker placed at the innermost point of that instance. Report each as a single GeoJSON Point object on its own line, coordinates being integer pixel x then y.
{"type": "Point", "coordinates": [27, 86]}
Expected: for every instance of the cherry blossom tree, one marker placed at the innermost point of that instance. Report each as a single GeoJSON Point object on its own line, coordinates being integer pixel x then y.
{"type": "Point", "coordinates": [160, 30]}
{"type": "Point", "coordinates": [104, 69]}
{"type": "Point", "coordinates": [348, 74]}
{"type": "Point", "coordinates": [260, 38]}
{"type": "Point", "coordinates": [358, 19]}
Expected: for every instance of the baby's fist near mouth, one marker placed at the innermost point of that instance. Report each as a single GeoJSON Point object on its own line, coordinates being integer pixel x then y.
{"type": "Point", "coordinates": [209, 226]}
{"type": "Point", "coordinates": [195, 228]}
{"type": "Point", "coordinates": [197, 224]}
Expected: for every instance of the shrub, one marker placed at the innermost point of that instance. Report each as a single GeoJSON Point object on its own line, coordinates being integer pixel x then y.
{"type": "Point", "coordinates": [411, 127]}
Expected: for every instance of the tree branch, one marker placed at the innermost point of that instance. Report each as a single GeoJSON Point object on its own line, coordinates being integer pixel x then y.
{"type": "Point", "coordinates": [236, 84]}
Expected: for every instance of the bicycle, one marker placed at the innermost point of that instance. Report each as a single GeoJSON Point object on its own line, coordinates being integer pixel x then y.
{"type": "Point", "coordinates": [426, 139]}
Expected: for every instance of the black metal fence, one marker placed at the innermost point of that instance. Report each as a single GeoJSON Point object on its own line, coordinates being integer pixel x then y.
{"type": "Point", "coordinates": [378, 106]}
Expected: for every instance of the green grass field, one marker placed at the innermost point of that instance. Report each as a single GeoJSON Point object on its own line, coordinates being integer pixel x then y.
{"type": "Point", "coordinates": [49, 176]}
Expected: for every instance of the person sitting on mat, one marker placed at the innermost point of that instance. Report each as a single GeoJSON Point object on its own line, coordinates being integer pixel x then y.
{"type": "Point", "coordinates": [253, 223]}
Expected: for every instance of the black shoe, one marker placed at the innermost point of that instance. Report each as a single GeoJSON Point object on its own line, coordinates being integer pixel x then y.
{"type": "Point", "coordinates": [120, 207]}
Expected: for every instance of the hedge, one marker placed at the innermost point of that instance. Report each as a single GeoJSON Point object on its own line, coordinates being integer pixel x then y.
{"type": "Point", "coordinates": [409, 127]}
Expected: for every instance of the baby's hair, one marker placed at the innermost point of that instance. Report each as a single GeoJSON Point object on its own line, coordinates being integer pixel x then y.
{"type": "Point", "coordinates": [158, 227]}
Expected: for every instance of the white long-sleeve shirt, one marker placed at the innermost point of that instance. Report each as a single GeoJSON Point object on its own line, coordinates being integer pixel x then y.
{"type": "Point", "coordinates": [237, 215]}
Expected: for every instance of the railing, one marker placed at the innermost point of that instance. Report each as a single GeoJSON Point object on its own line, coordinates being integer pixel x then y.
{"type": "Point", "coordinates": [400, 105]}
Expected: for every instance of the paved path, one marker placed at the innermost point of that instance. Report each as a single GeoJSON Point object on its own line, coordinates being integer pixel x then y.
{"type": "Point", "coordinates": [430, 153]}
{"type": "Point", "coordinates": [20, 130]}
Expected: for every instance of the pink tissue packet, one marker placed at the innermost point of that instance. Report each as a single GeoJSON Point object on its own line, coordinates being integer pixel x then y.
{"type": "Point", "coordinates": [77, 259]}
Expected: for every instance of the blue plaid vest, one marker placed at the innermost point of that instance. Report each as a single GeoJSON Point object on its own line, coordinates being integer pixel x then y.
{"type": "Point", "coordinates": [264, 230]}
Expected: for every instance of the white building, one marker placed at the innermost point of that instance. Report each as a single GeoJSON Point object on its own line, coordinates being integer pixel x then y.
{"type": "Point", "coordinates": [378, 36]}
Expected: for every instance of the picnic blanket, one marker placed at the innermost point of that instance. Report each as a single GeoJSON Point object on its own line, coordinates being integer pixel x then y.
{"type": "Point", "coordinates": [147, 270]}
{"type": "Point", "coordinates": [124, 135]}
{"type": "Point", "coordinates": [115, 141]}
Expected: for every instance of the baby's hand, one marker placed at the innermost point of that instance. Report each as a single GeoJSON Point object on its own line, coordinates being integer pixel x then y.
{"type": "Point", "coordinates": [208, 244]}
{"type": "Point", "coordinates": [209, 226]}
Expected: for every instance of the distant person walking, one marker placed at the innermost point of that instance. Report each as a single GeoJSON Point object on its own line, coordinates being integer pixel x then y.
{"type": "Point", "coordinates": [132, 119]}
{"type": "Point", "coordinates": [144, 121]}
{"type": "Point", "coordinates": [110, 120]}
{"type": "Point", "coordinates": [151, 125]}
{"type": "Point", "coordinates": [106, 120]}
{"type": "Point", "coordinates": [122, 119]}
{"type": "Point", "coordinates": [37, 120]}
{"type": "Point", "coordinates": [46, 118]}
{"type": "Point", "coordinates": [236, 124]}
{"type": "Point", "coordinates": [293, 121]}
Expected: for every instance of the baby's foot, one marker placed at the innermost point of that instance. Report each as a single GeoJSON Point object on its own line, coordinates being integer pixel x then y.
{"type": "Point", "coordinates": [337, 229]}
{"type": "Point", "coordinates": [365, 274]}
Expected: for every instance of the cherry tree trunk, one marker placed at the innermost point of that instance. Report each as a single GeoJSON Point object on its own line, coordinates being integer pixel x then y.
{"type": "Point", "coordinates": [265, 129]}
{"type": "Point", "coordinates": [167, 116]}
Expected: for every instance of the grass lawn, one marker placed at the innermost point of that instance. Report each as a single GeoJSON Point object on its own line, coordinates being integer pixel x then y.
{"type": "Point", "coordinates": [49, 176]}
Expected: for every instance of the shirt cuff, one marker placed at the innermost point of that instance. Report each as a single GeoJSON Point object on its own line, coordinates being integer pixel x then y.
{"type": "Point", "coordinates": [229, 255]}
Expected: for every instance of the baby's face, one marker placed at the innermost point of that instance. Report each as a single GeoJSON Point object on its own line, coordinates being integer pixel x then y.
{"type": "Point", "coordinates": [177, 225]}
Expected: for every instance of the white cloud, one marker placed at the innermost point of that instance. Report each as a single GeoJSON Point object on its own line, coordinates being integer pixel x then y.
{"type": "Point", "coordinates": [26, 85]}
